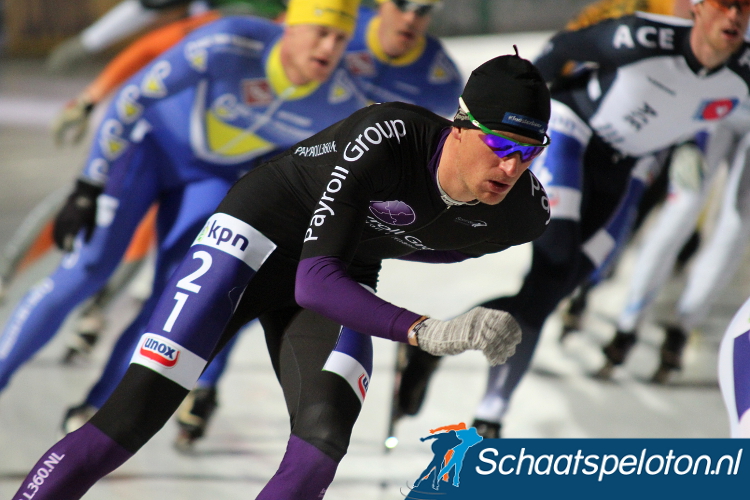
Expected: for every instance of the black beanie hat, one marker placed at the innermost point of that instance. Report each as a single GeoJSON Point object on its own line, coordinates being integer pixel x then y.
{"type": "Point", "coordinates": [507, 93]}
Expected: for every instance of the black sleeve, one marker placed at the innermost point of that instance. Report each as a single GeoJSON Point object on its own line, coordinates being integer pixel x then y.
{"type": "Point", "coordinates": [581, 45]}
{"type": "Point", "coordinates": [610, 43]}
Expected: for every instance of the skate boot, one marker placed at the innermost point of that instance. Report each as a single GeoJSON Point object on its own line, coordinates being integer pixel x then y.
{"type": "Point", "coordinates": [671, 354]}
{"type": "Point", "coordinates": [402, 359]}
{"type": "Point", "coordinates": [88, 329]}
{"type": "Point", "coordinates": [76, 416]}
{"type": "Point", "coordinates": [486, 429]}
{"type": "Point", "coordinates": [571, 317]}
{"type": "Point", "coordinates": [616, 352]}
{"type": "Point", "coordinates": [414, 367]}
{"type": "Point", "coordinates": [193, 416]}
{"type": "Point", "coordinates": [416, 376]}
{"type": "Point", "coordinates": [687, 251]}
{"type": "Point", "coordinates": [66, 56]}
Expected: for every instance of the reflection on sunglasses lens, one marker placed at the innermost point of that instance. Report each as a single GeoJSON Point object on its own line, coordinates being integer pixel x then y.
{"type": "Point", "coordinates": [406, 5]}
{"type": "Point", "coordinates": [728, 4]}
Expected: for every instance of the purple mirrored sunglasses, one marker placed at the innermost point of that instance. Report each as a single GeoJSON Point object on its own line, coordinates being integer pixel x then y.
{"type": "Point", "coordinates": [504, 146]}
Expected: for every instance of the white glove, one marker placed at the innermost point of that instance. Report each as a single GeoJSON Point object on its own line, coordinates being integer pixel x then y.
{"type": "Point", "coordinates": [493, 332]}
{"type": "Point", "coordinates": [72, 121]}
{"type": "Point", "coordinates": [687, 168]}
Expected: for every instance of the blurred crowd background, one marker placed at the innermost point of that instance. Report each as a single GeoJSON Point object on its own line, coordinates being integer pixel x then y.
{"type": "Point", "coordinates": [35, 27]}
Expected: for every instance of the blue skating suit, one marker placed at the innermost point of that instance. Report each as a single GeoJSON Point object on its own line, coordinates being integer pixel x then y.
{"type": "Point", "coordinates": [178, 133]}
{"type": "Point", "coordinates": [425, 76]}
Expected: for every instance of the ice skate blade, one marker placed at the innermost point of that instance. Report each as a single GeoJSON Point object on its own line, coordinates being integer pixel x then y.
{"type": "Point", "coordinates": [605, 372]}
{"type": "Point", "coordinates": [72, 357]}
{"type": "Point", "coordinates": [390, 443]}
{"type": "Point", "coordinates": [184, 443]}
{"type": "Point", "coordinates": [566, 331]}
{"type": "Point", "coordinates": [663, 375]}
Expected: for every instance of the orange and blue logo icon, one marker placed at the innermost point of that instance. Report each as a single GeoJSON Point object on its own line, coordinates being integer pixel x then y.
{"type": "Point", "coordinates": [443, 474]}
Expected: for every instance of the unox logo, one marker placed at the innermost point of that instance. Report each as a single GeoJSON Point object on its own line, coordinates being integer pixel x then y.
{"type": "Point", "coordinates": [554, 200]}
{"type": "Point", "coordinates": [715, 110]}
{"type": "Point", "coordinates": [160, 352]}
{"type": "Point", "coordinates": [169, 359]}
{"type": "Point", "coordinates": [395, 213]}
{"type": "Point", "coordinates": [363, 383]}
{"type": "Point", "coordinates": [351, 360]}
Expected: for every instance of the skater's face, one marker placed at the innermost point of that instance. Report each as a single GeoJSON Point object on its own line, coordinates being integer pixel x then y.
{"type": "Point", "coordinates": [403, 25]}
{"type": "Point", "coordinates": [475, 172]}
{"type": "Point", "coordinates": [719, 29]}
{"type": "Point", "coordinates": [310, 52]}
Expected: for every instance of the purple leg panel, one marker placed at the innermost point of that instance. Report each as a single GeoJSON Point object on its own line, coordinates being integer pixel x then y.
{"type": "Point", "coordinates": [304, 474]}
{"type": "Point", "coordinates": [72, 466]}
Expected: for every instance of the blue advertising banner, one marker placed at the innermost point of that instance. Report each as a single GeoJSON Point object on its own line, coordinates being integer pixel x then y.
{"type": "Point", "coordinates": [466, 466]}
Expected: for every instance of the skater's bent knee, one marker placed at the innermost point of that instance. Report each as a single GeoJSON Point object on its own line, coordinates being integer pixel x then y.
{"type": "Point", "coordinates": [325, 427]}
{"type": "Point", "coordinates": [139, 407]}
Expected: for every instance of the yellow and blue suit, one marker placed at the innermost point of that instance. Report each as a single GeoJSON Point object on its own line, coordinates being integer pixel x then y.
{"type": "Point", "coordinates": [178, 133]}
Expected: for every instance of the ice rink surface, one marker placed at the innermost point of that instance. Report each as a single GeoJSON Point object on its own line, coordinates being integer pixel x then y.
{"type": "Point", "coordinates": [558, 399]}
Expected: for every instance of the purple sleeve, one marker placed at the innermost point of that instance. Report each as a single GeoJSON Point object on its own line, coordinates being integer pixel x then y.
{"type": "Point", "coordinates": [73, 465]}
{"type": "Point", "coordinates": [436, 256]}
{"type": "Point", "coordinates": [324, 286]}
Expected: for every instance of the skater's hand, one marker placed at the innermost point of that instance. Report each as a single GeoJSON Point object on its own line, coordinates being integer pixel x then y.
{"type": "Point", "coordinates": [72, 121]}
{"type": "Point", "coordinates": [495, 333]}
{"type": "Point", "coordinates": [79, 212]}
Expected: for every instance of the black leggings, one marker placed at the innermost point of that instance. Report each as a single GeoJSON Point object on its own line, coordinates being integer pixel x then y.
{"type": "Point", "coordinates": [322, 406]}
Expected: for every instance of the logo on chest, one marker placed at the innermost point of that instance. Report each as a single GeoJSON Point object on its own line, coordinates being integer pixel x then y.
{"type": "Point", "coordinates": [395, 213]}
{"type": "Point", "coordinates": [441, 70]}
{"type": "Point", "coordinates": [257, 92]}
{"type": "Point", "coordinates": [360, 64]}
{"type": "Point", "coordinates": [471, 223]}
{"type": "Point", "coordinates": [716, 109]}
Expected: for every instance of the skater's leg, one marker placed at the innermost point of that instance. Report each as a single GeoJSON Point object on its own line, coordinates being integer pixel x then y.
{"type": "Point", "coordinates": [606, 246]}
{"type": "Point", "coordinates": [716, 264]}
{"type": "Point", "coordinates": [323, 405]}
{"type": "Point", "coordinates": [92, 319]}
{"type": "Point", "coordinates": [573, 244]}
{"type": "Point", "coordinates": [81, 273]}
{"type": "Point", "coordinates": [674, 226]}
{"type": "Point", "coordinates": [734, 372]}
{"type": "Point", "coordinates": [182, 214]}
{"type": "Point", "coordinates": [553, 275]}
{"type": "Point", "coordinates": [196, 410]}
{"type": "Point", "coordinates": [21, 249]}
